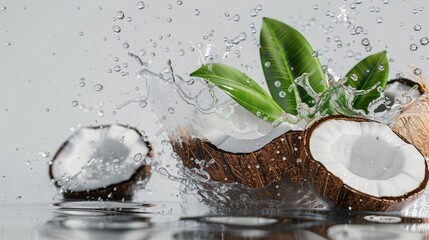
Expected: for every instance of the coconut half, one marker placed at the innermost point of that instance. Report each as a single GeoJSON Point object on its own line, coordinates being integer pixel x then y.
{"type": "Point", "coordinates": [101, 162]}
{"type": "Point", "coordinates": [361, 164]}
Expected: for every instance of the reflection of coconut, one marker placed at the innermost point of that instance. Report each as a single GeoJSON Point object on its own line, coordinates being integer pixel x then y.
{"type": "Point", "coordinates": [362, 165]}
{"type": "Point", "coordinates": [413, 124]}
{"type": "Point", "coordinates": [101, 162]}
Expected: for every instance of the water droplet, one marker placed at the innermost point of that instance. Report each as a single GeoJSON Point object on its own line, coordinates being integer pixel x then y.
{"type": "Point", "coordinates": [358, 56]}
{"type": "Point", "coordinates": [424, 41]}
{"type": "Point", "coordinates": [116, 29]}
{"type": "Point", "coordinates": [413, 47]}
{"type": "Point", "coordinates": [44, 154]}
{"type": "Point", "coordinates": [415, 12]}
{"type": "Point", "coordinates": [358, 1]}
{"type": "Point", "coordinates": [352, 6]}
{"type": "Point", "coordinates": [379, 20]}
{"type": "Point", "coordinates": [236, 17]}
{"type": "Point", "coordinates": [126, 45]}
{"type": "Point", "coordinates": [399, 74]}
{"type": "Point", "coordinates": [181, 52]}
{"type": "Point", "coordinates": [417, 71]}
{"type": "Point", "coordinates": [196, 12]}
{"type": "Point", "coordinates": [354, 77]}
{"type": "Point", "coordinates": [169, 20]}
{"type": "Point", "coordinates": [259, 7]}
{"type": "Point", "coordinates": [74, 103]}
{"type": "Point", "coordinates": [82, 84]}
{"type": "Point", "coordinates": [117, 68]}
{"type": "Point", "coordinates": [101, 113]}
{"type": "Point", "coordinates": [179, 2]}
{"type": "Point", "coordinates": [386, 1]}
{"type": "Point", "coordinates": [267, 64]}
{"type": "Point", "coordinates": [417, 27]}
{"type": "Point", "coordinates": [138, 157]}
{"type": "Point", "coordinates": [282, 94]}
{"type": "Point", "coordinates": [358, 29]}
{"type": "Point", "coordinates": [80, 33]}
{"type": "Point", "coordinates": [315, 7]}
{"type": "Point", "coordinates": [8, 43]}
{"type": "Point", "coordinates": [368, 48]}
{"type": "Point", "coordinates": [143, 103]}
{"type": "Point", "coordinates": [315, 54]}
{"type": "Point", "coordinates": [140, 5]}
{"type": "Point", "coordinates": [120, 15]}
{"type": "Point", "coordinates": [258, 113]}
{"type": "Point", "coordinates": [277, 83]}
{"type": "Point", "coordinates": [98, 87]}
{"type": "Point", "coordinates": [253, 12]}
{"type": "Point", "coordinates": [365, 42]}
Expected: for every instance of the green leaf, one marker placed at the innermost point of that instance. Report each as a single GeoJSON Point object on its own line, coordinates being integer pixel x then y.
{"type": "Point", "coordinates": [242, 89]}
{"type": "Point", "coordinates": [368, 74]}
{"type": "Point", "coordinates": [286, 55]}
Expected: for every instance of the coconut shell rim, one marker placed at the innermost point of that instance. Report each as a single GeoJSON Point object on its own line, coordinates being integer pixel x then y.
{"type": "Point", "coordinates": [408, 82]}
{"type": "Point", "coordinates": [396, 199]}
{"type": "Point", "coordinates": [139, 172]}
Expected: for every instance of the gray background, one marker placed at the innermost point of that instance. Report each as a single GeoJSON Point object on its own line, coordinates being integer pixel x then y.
{"type": "Point", "coordinates": [54, 44]}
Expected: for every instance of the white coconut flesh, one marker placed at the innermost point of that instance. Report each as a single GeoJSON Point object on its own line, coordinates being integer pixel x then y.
{"type": "Point", "coordinates": [94, 158]}
{"type": "Point", "coordinates": [234, 129]}
{"type": "Point", "coordinates": [368, 157]}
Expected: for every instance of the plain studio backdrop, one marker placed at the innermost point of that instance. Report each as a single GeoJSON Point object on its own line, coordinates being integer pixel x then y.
{"type": "Point", "coordinates": [55, 55]}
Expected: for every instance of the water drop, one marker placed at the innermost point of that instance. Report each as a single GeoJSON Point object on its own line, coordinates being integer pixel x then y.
{"type": "Point", "coordinates": [82, 84]}
{"type": "Point", "coordinates": [381, 67]}
{"type": "Point", "coordinates": [315, 7]}
{"type": "Point", "coordinates": [181, 52]}
{"type": "Point", "coordinates": [8, 43]}
{"type": "Point", "coordinates": [80, 33]}
{"type": "Point", "coordinates": [196, 12]}
{"type": "Point", "coordinates": [101, 113]}
{"type": "Point", "coordinates": [386, 1]}
{"type": "Point", "coordinates": [417, 71]}
{"type": "Point", "coordinates": [379, 20]}
{"type": "Point", "coordinates": [277, 83]}
{"type": "Point", "coordinates": [140, 5]}
{"type": "Point", "coordinates": [236, 17]}
{"type": "Point", "coordinates": [120, 15]}
{"type": "Point", "coordinates": [282, 94]}
{"type": "Point", "coordinates": [365, 42]}
{"type": "Point", "coordinates": [169, 20]}
{"type": "Point", "coordinates": [417, 27]}
{"type": "Point", "coordinates": [116, 29]}
{"type": "Point", "coordinates": [413, 47]}
{"type": "Point", "coordinates": [117, 68]}
{"type": "Point", "coordinates": [129, 19]}
{"type": "Point", "coordinates": [368, 48]}
{"type": "Point", "coordinates": [44, 154]}
{"type": "Point", "coordinates": [415, 12]}
{"type": "Point", "coordinates": [267, 64]}
{"type": "Point", "coordinates": [424, 41]}
{"type": "Point", "coordinates": [98, 87]}
{"type": "Point", "coordinates": [143, 103]}
{"type": "Point", "coordinates": [138, 157]}
{"type": "Point", "coordinates": [354, 77]}
{"type": "Point", "coordinates": [170, 110]}
{"type": "Point", "coordinates": [358, 29]}
{"type": "Point", "coordinates": [315, 54]}
{"type": "Point", "coordinates": [253, 12]}
{"type": "Point", "coordinates": [358, 1]}
{"type": "Point", "coordinates": [399, 74]}
{"type": "Point", "coordinates": [179, 2]}
{"type": "Point", "coordinates": [259, 7]}
{"type": "Point", "coordinates": [258, 113]}
{"type": "Point", "coordinates": [3, 8]}
{"type": "Point", "coordinates": [74, 103]}
{"type": "Point", "coordinates": [126, 45]}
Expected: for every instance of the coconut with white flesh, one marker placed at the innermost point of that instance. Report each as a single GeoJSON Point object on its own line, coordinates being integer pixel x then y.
{"type": "Point", "coordinates": [101, 162]}
{"type": "Point", "coordinates": [360, 164]}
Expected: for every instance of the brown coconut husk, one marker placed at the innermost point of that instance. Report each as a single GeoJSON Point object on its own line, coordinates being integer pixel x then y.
{"type": "Point", "coordinates": [255, 169]}
{"type": "Point", "coordinates": [333, 189]}
{"type": "Point", "coordinates": [413, 124]}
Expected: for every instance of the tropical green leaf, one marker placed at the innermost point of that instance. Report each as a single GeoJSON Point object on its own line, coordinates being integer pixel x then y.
{"type": "Point", "coordinates": [242, 89]}
{"type": "Point", "coordinates": [286, 55]}
{"type": "Point", "coordinates": [370, 73]}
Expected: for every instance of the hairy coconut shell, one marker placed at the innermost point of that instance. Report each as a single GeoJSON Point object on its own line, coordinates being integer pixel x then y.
{"type": "Point", "coordinates": [117, 191]}
{"type": "Point", "coordinates": [333, 189]}
{"type": "Point", "coordinates": [255, 169]}
{"type": "Point", "coordinates": [413, 124]}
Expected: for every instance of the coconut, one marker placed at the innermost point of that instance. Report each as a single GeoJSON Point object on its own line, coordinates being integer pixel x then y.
{"type": "Point", "coordinates": [254, 169]}
{"type": "Point", "coordinates": [413, 124]}
{"type": "Point", "coordinates": [103, 162]}
{"type": "Point", "coordinates": [362, 165]}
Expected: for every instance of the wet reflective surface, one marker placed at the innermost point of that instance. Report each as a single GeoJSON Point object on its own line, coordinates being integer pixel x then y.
{"type": "Point", "coordinates": [169, 220]}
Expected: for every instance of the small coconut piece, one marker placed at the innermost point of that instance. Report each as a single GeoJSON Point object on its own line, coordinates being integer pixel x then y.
{"type": "Point", "coordinates": [254, 169]}
{"type": "Point", "coordinates": [362, 165]}
{"type": "Point", "coordinates": [413, 124]}
{"type": "Point", "coordinates": [103, 162]}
